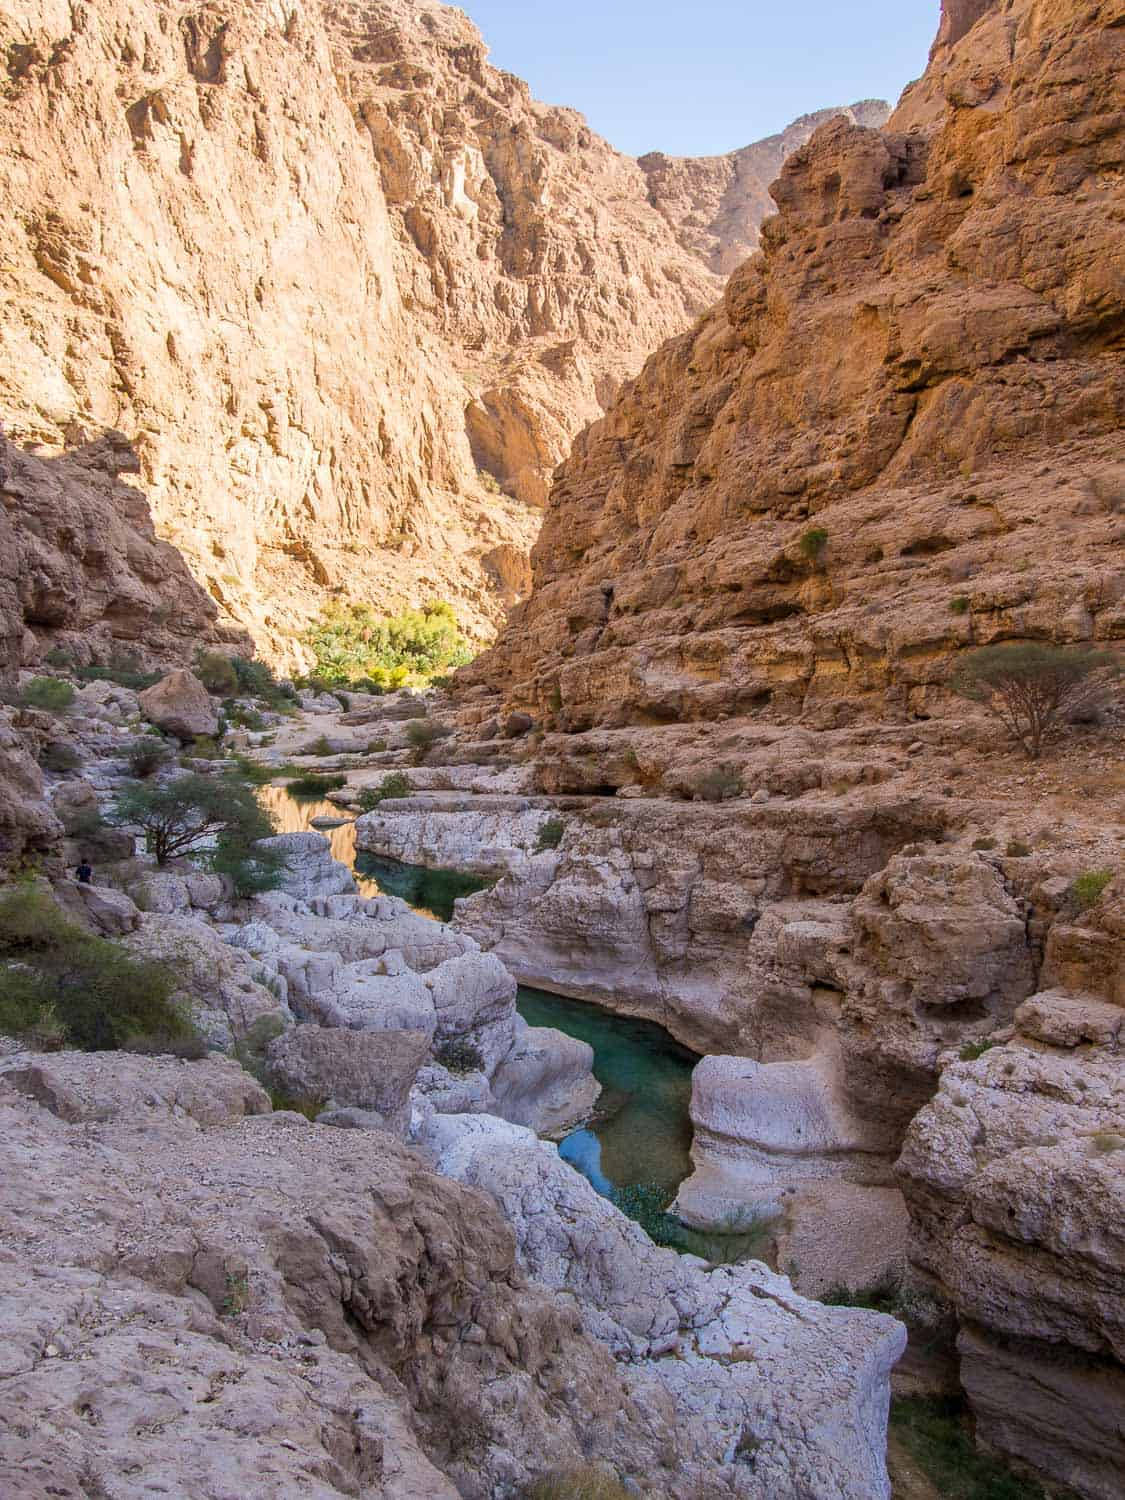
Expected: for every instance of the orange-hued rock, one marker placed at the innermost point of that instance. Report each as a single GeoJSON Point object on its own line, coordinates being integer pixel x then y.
{"type": "Point", "coordinates": [897, 436]}
{"type": "Point", "coordinates": [348, 288]}
{"type": "Point", "coordinates": [715, 205]}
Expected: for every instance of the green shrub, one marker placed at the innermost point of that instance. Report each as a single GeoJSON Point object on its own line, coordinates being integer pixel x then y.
{"type": "Point", "coordinates": [58, 756]}
{"type": "Point", "coordinates": [124, 670]}
{"type": "Point", "coordinates": [1108, 1141]}
{"type": "Point", "coordinates": [936, 1435]}
{"type": "Point", "coordinates": [146, 755]}
{"type": "Point", "coordinates": [206, 747]}
{"type": "Point", "coordinates": [216, 672]}
{"type": "Point", "coordinates": [183, 815]}
{"type": "Point", "coordinates": [1088, 887]}
{"type": "Point", "coordinates": [354, 644]}
{"type": "Point", "coordinates": [959, 605]}
{"type": "Point", "coordinates": [54, 694]}
{"type": "Point", "coordinates": [397, 784]}
{"type": "Point", "coordinates": [459, 1056]}
{"type": "Point", "coordinates": [972, 1050]}
{"type": "Point", "coordinates": [58, 982]}
{"type": "Point", "coordinates": [315, 786]}
{"type": "Point", "coordinates": [577, 1484]}
{"type": "Point", "coordinates": [1017, 849]}
{"type": "Point", "coordinates": [550, 835]}
{"type": "Point", "coordinates": [812, 543]}
{"type": "Point", "coordinates": [717, 784]}
{"type": "Point", "coordinates": [256, 680]}
{"type": "Point", "coordinates": [1032, 688]}
{"type": "Point", "coordinates": [376, 747]}
{"type": "Point", "coordinates": [243, 718]}
{"type": "Point", "coordinates": [984, 843]}
{"type": "Point", "coordinates": [320, 749]}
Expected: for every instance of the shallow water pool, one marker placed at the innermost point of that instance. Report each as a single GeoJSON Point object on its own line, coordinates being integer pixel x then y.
{"type": "Point", "coordinates": [635, 1149]}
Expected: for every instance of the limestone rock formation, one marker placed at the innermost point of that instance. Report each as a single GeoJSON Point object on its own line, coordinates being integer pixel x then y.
{"type": "Point", "coordinates": [263, 1305]}
{"type": "Point", "coordinates": [898, 435]}
{"type": "Point", "coordinates": [339, 279]}
{"type": "Point", "coordinates": [715, 205]}
{"type": "Point", "coordinates": [179, 703]}
{"type": "Point", "coordinates": [1015, 1179]}
{"type": "Point", "coordinates": [81, 568]}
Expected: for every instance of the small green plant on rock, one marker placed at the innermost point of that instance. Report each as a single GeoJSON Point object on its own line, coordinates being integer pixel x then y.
{"type": "Point", "coordinates": [959, 605]}
{"type": "Point", "coordinates": [216, 672]}
{"type": "Point", "coordinates": [396, 784]}
{"type": "Point", "coordinates": [237, 1296]}
{"type": "Point", "coordinates": [812, 543]}
{"type": "Point", "coordinates": [984, 843]}
{"type": "Point", "coordinates": [972, 1050]}
{"type": "Point", "coordinates": [459, 1056]}
{"type": "Point", "coordinates": [716, 784]}
{"type": "Point", "coordinates": [1088, 887]}
{"type": "Point", "coordinates": [550, 835]}
{"type": "Point", "coordinates": [422, 735]}
{"type": "Point", "coordinates": [59, 757]}
{"type": "Point", "coordinates": [147, 755]}
{"type": "Point", "coordinates": [1017, 849]}
{"type": "Point", "coordinates": [52, 694]}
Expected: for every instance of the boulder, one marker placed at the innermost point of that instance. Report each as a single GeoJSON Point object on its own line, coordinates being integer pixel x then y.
{"type": "Point", "coordinates": [310, 871]}
{"type": "Point", "coordinates": [112, 911]}
{"type": "Point", "coordinates": [365, 1070]}
{"type": "Point", "coordinates": [117, 1086]}
{"type": "Point", "coordinates": [179, 704]}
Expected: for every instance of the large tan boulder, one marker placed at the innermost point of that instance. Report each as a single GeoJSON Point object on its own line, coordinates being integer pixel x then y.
{"type": "Point", "coordinates": [343, 1069]}
{"type": "Point", "coordinates": [180, 704]}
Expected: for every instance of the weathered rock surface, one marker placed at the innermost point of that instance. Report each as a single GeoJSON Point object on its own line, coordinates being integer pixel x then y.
{"type": "Point", "coordinates": [365, 1070]}
{"type": "Point", "coordinates": [271, 1306]}
{"type": "Point", "coordinates": [643, 1301]}
{"type": "Point", "coordinates": [80, 563]}
{"type": "Point", "coordinates": [180, 704]}
{"type": "Point", "coordinates": [715, 205]}
{"type": "Point", "coordinates": [1015, 1179]}
{"type": "Point", "coordinates": [496, 271]}
{"type": "Point", "coordinates": [27, 823]}
{"type": "Point", "coordinates": [911, 397]}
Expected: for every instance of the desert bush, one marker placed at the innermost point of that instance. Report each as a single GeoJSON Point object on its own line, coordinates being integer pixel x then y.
{"type": "Point", "coordinates": [124, 670]}
{"type": "Point", "coordinates": [147, 755]}
{"type": "Point", "coordinates": [1031, 688]}
{"type": "Point", "coordinates": [354, 644]}
{"type": "Point", "coordinates": [936, 1434]}
{"type": "Point", "coordinates": [184, 815]}
{"type": "Point", "coordinates": [550, 835]}
{"type": "Point", "coordinates": [59, 757]}
{"type": "Point", "coordinates": [984, 843]}
{"type": "Point", "coordinates": [216, 672]}
{"type": "Point", "coordinates": [60, 984]}
{"type": "Point", "coordinates": [716, 784]}
{"type": "Point", "coordinates": [241, 717]}
{"type": "Point", "coordinates": [1087, 889]}
{"type": "Point", "coordinates": [396, 784]}
{"type": "Point", "coordinates": [54, 694]}
{"type": "Point", "coordinates": [459, 1056]}
{"type": "Point", "coordinates": [972, 1050]}
{"type": "Point", "coordinates": [315, 786]}
{"type": "Point", "coordinates": [812, 543]}
{"type": "Point", "coordinates": [577, 1484]}
{"type": "Point", "coordinates": [959, 605]}
{"type": "Point", "coordinates": [1017, 849]}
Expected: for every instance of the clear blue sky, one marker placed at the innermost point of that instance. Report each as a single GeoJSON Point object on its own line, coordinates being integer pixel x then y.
{"type": "Point", "coordinates": [704, 77]}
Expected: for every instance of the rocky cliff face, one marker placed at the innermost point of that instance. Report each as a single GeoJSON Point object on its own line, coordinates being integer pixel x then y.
{"type": "Point", "coordinates": [910, 397]}
{"type": "Point", "coordinates": [715, 205]}
{"type": "Point", "coordinates": [338, 278]}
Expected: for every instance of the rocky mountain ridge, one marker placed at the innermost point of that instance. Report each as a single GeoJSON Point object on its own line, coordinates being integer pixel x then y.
{"type": "Point", "coordinates": [348, 290]}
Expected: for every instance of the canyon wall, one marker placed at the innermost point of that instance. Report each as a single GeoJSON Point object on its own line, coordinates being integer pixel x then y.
{"type": "Point", "coordinates": [348, 289]}
{"type": "Point", "coordinates": [896, 437]}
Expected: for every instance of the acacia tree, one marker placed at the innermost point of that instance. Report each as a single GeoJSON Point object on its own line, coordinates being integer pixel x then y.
{"type": "Point", "coordinates": [1030, 688]}
{"type": "Point", "coordinates": [217, 814]}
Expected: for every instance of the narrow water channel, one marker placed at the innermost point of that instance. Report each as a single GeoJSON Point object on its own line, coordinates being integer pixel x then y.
{"type": "Point", "coordinates": [635, 1149]}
